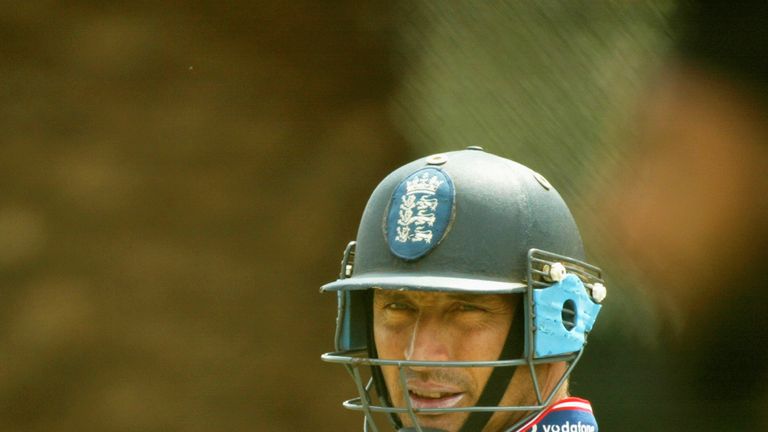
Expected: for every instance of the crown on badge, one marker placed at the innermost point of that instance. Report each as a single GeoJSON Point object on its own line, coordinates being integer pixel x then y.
{"type": "Point", "coordinates": [423, 184]}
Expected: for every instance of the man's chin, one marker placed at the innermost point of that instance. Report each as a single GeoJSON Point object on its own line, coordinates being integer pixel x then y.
{"type": "Point", "coordinates": [423, 429]}
{"type": "Point", "coordinates": [450, 422]}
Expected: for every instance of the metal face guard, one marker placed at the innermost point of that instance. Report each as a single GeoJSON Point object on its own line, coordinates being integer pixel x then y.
{"type": "Point", "coordinates": [543, 307]}
{"type": "Point", "coordinates": [365, 402]}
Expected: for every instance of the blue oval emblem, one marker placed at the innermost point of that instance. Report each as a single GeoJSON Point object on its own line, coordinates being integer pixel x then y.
{"type": "Point", "coordinates": [419, 213]}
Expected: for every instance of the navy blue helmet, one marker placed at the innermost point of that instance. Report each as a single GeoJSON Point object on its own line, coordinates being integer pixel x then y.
{"type": "Point", "coordinates": [471, 222]}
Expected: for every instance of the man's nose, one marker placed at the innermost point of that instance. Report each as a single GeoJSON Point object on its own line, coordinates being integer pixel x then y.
{"type": "Point", "coordinates": [429, 341]}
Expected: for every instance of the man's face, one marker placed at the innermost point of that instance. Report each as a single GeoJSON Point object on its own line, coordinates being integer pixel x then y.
{"type": "Point", "coordinates": [428, 326]}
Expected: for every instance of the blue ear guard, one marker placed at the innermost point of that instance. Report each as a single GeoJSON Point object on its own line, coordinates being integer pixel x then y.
{"type": "Point", "coordinates": [563, 313]}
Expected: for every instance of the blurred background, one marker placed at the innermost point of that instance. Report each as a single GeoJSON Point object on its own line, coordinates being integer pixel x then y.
{"type": "Point", "coordinates": [177, 181]}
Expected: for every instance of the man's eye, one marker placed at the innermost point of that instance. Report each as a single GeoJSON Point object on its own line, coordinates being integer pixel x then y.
{"type": "Point", "coordinates": [399, 306]}
{"type": "Point", "coordinates": [467, 307]}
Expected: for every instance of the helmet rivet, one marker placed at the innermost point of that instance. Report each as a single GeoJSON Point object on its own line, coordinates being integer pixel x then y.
{"type": "Point", "coordinates": [542, 181]}
{"type": "Point", "coordinates": [598, 292]}
{"type": "Point", "coordinates": [555, 272]}
{"type": "Point", "coordinates": [437, 159]}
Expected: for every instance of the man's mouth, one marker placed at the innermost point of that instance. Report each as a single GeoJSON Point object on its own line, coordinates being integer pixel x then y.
{"type": "Point", "coordinates": [434, 399]}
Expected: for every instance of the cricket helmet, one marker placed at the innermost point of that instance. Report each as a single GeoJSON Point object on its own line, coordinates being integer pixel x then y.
{"type": "Point", "coordinates": [472, 222]}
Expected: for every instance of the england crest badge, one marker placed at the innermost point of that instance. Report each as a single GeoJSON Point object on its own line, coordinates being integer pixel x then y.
{"type": "Point", "coordinates": [419, 213]}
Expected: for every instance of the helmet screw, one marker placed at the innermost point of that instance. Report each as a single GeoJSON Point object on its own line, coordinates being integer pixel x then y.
{"type": "Point", "coordinates": [555, 272]}
{"type": "Point", "coordinates": [598, 292]}
{"type": "Point", "coordinates": [542, 181]}
{"type": "Point", "coordinates": [437, 159]}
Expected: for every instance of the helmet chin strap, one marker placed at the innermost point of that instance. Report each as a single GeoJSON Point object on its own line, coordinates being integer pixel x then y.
{"type": "Point", "coordinates": [501, 376]}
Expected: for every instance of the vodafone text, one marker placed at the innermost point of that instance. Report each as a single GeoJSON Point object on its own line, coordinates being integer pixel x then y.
{"type": "Point", "coordinates": [565, 427]}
